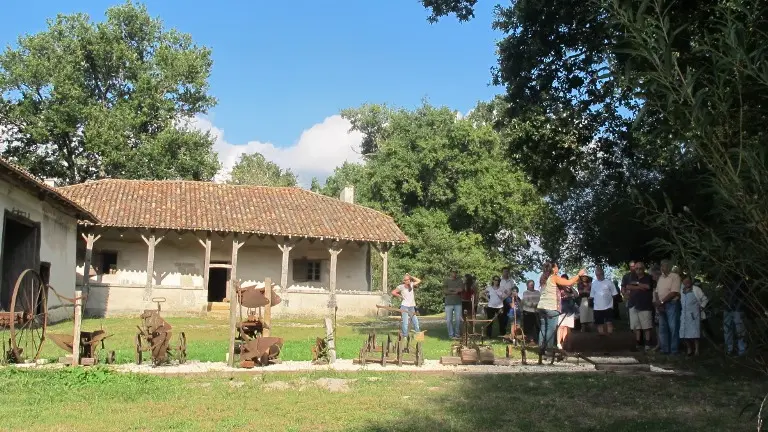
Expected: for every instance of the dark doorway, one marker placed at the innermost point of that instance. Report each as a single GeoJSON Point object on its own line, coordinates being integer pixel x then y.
{"type": "Point", "coordinates": [217, 283]}
{"type": "Point", "coordinates": [20, 251]}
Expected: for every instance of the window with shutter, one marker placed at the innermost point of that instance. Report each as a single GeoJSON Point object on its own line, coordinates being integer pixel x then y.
{"type": "Point", "coordinates": [300, 270]}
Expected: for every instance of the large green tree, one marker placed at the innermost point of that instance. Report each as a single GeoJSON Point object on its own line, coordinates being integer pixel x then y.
{"type": "Point", "coordinates": [448, 184]}
{"type": "Point", "coordinates": [255, 169]}
{"type": "Point", "coordinates": [575, 123]}
{"type": "Point", "coordinates": [83, 99]}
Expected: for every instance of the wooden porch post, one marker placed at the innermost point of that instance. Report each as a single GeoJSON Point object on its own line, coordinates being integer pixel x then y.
{"type": "Point", "coordinates": [334, 250]}
{"type": "Point", "coordinates": [234, 304]}
{"type": "Point", "coordinates": [383, 250]}
{"type": "Point", "coordinates": [207, 263]}
{"type": "Point", "coordinates": [151, 242]}
{"type": "Point", "coordinates": [285, 248]}
{"type": "Point", "coordinates": [90, 239]}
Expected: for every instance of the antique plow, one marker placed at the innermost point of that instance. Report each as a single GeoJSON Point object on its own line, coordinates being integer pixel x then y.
{"type": "Point", "coordinates": [91, 345]}
{"type": "Point", "coordinates": [252, 347]}
{"type": "Point", "coordinates": [155, 337]}
{"type": "Point", "coordinates": [396, 350]}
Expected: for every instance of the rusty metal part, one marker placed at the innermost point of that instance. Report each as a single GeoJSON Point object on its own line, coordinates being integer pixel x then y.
{"type": "Point", "coordinates": [251, 346]}
{"type": "Point", "coordinates": [155, 337]}
{"type": "Point", "coordinates": [261, 350]}
{"type": "Point", "coordinates": [396, 350]}
{"type": "Point", "coordinates": [320, 352]}
{"type": "Point", "coordinates": [252, 297]}
{"type": "Point", "coordinates": [91, 343]}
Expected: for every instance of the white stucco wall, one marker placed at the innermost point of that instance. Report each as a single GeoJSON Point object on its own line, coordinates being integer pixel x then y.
{"type": "Point", "coordinates": [178, 273]}
{"type": "Point", "coordinates": [57, 244]}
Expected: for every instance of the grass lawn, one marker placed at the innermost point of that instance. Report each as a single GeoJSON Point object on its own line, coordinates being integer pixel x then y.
{"type": "Point", "coordinates": [101, 401]}
{"type": "Point", "coordinates": [95, 399]}
{"type": "Point", "coordinates": [207, 339]}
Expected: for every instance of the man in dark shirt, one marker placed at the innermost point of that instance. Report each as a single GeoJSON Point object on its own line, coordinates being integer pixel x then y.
{"type": "Point", "coordinates": [641, 299]}
{"type": "Point", "coordinates": [624, 291]}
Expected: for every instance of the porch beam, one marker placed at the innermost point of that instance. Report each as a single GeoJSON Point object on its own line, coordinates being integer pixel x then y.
{"type": "Point", "coordinates": [334, 250]}
{"type": "Point", "coordinates": [285, 247]}
{"type": "Point", "coordinates": [90, 239]}
{"type": "Point", "coordinates": [234, 304]}
{"type": "Point", "coordinates": [383, 251]}
{"type": "Point", "coordinates": [152, 241]}
{"type": "Point", "coordinates": [207, 260]}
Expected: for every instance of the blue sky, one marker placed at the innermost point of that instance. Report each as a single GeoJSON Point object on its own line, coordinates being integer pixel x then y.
{"type": "Point", "coordinates": [280, 69]}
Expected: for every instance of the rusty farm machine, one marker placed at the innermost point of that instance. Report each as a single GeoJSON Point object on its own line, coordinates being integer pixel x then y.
{"type": "Point", "coordinates": [155, 337]}
{"type": "Point", "coordinates": [32, 306]}
{"type": "Point", "coordinates": [253, 342]}
{"type": "Point", "coordinates": [398, 349]}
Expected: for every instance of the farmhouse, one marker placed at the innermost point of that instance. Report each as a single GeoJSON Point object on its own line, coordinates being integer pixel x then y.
{"type": "Point", "coordinates": [187, 241]}
{"type": "Point", "coordinates": [39, 232]}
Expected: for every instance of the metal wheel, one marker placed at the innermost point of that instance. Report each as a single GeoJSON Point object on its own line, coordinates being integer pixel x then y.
{"type": "Point", "coordinates": [29, 322]}
{"type": "Point", "coordinates": [110, 357]}
{"type": "Point", "coordinates": [419, 354]}
{"type": "Point", "coordinates": [182, 354]}
{"type": "Point", "coordinates": [138, 351]}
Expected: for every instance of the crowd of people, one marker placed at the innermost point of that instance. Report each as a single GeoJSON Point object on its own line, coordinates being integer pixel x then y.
{"type": "Point", "coordinates": [666, 309]}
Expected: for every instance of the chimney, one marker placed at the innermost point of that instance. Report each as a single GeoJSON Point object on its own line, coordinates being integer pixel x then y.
{"type": "Point", "coordinates": [348, 194]}
{"type": "Point", "coordinates": [50, 182]}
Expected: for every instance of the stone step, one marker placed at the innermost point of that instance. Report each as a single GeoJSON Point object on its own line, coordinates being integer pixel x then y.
{"type": "Point", "coordinates": [218, 306]}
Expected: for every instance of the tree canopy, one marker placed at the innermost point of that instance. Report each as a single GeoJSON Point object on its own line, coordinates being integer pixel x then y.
{"type": "Point", "coordinates": [84, 100]}
{"type": "Point", "coordinates": [579, 125]}
{"type": "Point", "coordinates": [446, 182]}
{"type": "Point", "coordinates": [254, 169]}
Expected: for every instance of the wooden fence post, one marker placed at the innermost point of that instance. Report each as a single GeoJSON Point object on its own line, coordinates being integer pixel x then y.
{"type": "Point", "coordinates": [76, 331]}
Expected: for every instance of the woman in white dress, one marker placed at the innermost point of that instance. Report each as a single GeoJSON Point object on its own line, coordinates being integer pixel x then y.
{"type": "Point", "coordinates": [690, 317]}
{"type": "Point", "coordinates": [586, 317]}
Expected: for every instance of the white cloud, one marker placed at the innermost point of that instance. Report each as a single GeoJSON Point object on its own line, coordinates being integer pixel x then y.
{"type": "Point", "coordinates": [319, 149]}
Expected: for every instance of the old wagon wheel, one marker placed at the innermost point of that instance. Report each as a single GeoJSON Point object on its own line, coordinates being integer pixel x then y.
{"type": "Point", "coordinates": [182, 354]}
{"type": "Point", "coordinates": [138, 352]}
{"type": "Point", "coordinates": [29, 317]}
{"type": "Point", "coordinates": [419, 354]}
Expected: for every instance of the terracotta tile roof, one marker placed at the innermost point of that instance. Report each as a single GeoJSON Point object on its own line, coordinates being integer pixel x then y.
{"type": "Point", "coordinates": [37, 186]}
{"type": "Point", "coordinates": [204, 206]}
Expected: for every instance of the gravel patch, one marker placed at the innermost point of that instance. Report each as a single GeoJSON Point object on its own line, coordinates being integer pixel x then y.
{"type": "Point", "coordinates": [335, 384]}
{"type": "Point", "coordinates": [343, 365]}
{"type": "Point", "coordinates": [194, 367]}
{"type": "Point", "coordinates": [277, 385]}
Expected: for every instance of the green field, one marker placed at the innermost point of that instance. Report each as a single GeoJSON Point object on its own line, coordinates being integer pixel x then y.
{"type": "Point", "coordinates": [96, 399]}
{"type": "Point", "coordinates": [101, 401]}
{"type": "Point", "coordinates": [207, 338]}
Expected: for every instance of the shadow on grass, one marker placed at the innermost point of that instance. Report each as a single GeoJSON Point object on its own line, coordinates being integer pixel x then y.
{"type": "Point", "coordinates": [573, 402]}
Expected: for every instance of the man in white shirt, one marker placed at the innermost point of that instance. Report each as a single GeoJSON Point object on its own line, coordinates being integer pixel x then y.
{"type": "Point", "coordinates": [602, 294]}
{"type": "Point", "coordinates": [405, 292]}
{"type": "Point", "coordinates": [506, 284]}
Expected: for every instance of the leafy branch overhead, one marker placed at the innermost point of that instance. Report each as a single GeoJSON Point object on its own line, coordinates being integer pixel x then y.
{"type": "Point", "coordinates": [83, 100]}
